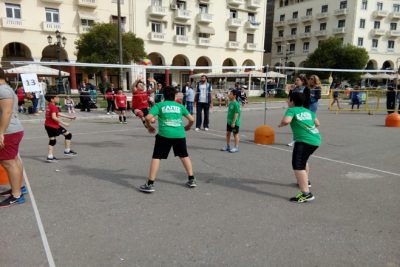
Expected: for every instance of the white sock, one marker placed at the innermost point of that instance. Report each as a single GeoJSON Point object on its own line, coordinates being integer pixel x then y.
{"type": "Point", "coordinates": [50, 156]}
{"type": "Point", "coordinates": [67, 150]}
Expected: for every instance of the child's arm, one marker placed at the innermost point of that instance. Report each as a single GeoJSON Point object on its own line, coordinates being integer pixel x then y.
{"type": "Point", "coordinates": [190, 122]}
{"type": "Point", "coordinates": [316, 122]}
{"type": "Point", "coordinates": [234, 119]}
{"type": "Point", "coordinates": [64, 116]}
{"type": "Point", "coordinates": [285, 121]}
{"type": "Point", "coordinates": [149, 127]}
{"type": "Point", "coordinates": [55, 118]}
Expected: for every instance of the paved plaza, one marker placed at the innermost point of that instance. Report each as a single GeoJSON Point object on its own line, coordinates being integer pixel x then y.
{"type": "Point", "coordinates": [92, 213]}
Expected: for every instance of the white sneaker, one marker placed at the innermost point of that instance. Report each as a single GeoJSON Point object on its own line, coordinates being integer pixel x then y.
{"type": "Point", "coordinates": [291, 144]}
{"type": "Point", "coordinates": [226, 148]}
{"type": "Point", "coordinates": [108, 113]}
{"type": "Point", "coordinates": [205, 129]}
{"type": "Point", "coordinates": [234, 150]}
{"type": "Point", "coordinates": [197, 129]}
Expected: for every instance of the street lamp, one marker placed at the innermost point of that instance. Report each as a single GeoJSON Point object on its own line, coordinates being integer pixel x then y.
{"type": "Point", "coordinates": [61, 41]}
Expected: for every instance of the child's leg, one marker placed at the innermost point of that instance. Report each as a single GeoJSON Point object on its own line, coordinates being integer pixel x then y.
{"type": "Point", "coordinates": [302, 180]}
{"type": "Point", "coordinates": [154, 167]}
{"type": "Point", "coordinates": [120, 115]}
{"type": "Point", "coordinates": [52, 143]}
{"type": "Point", "coordinates": [187, 164]}
{"type": "Point", "coordinates": [237, 139]}
{"type": "Point", "coordinates": [228, 138]}
{"type": "Point", "coordinates": [123, 115]}
{"type": "Point", "coordinates": [67, 142]}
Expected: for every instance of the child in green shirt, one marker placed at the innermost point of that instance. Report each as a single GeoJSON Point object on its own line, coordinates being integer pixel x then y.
{"type": "Point", "coordinates": [233, 123]}
{"type": "Point", "coordinates": [307, 139]}
{"type": "Point", "coordinates": [171, 133]}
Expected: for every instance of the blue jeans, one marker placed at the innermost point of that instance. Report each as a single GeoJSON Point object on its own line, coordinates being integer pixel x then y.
{"type": "Point", "coordinates": [189, 106]}
{"type": "Point", "coordinates": [314, 107]}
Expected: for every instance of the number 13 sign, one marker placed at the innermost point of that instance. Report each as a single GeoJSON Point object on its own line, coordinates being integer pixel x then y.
{"type": "Point", "coordinates": [30, 82]}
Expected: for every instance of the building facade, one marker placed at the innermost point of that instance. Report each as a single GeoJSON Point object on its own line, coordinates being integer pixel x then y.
{"type": "Point", "coordinates": [299, 26]}
{"type": "Point", "coordinates": [175, 32]}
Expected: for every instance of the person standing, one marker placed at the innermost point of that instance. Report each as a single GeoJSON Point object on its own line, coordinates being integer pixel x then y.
{"type": "Point", "coordinates": [42, 93]}
{"type": "Point", "coordinates": [314, 84]}
{"type": "Point", "coordinates": [203, 102]}
{"type": "Point", "coordinates": [109, 96]}
{"type": "Point", "coordinates": [307, 138]}
{"type": "Point", "coordinates": [355, 97]}
{"type": "Point", "coordinates": [158, 93]}
{"type": "Point", "coordinates": [390, 99]}
{"type": "Point", "coordinates": [21, 99]}
{"type": "Point", "coordinates": [233, 123]}
{"type": "Point", "coordinates": [171, 133]}
{"type": "Point", "coordinates": [11, 134]}
{"type": "Point", "coordinates": [335, 95]}
{"type": "Point", "coordinates": [189, 99]}
{"type": "Point", "coordinates": [121, 105]}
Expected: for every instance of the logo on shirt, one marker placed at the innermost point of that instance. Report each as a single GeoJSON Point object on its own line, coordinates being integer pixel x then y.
{"type": "Point", "coordinates": [304, 116]}
{"type": "Point", "coordinates": [171, 109]}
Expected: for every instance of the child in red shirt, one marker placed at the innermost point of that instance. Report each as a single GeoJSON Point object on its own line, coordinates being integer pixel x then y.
{"type": "Point", "coordinates": [140, 101]}
{"type": "Point", "coordinates": [120, 105]}
{"type": "Point", "coordinates": [53, 128]}
{"type": "Point", "coordinates": [21, 99]}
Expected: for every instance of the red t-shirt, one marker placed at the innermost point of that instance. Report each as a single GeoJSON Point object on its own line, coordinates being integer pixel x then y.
{"type": "Point", "coordinates": [109, 95]}
{"type": "Point", "coordinates": [20, 94]}
{"type": "Point", "coordinates": [121, 101]}
{"type": "Point", "coordinates": [140, 100]}
{"type": "Point", "coordinates": [51, 108]}
{"type": "Point", "coordinates": [178, 101]}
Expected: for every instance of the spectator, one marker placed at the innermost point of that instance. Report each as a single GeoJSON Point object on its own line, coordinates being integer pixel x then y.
{"type": "Point", "coordinates": [203, 101]}
{"type": "Point", "coordinates": [314, 84]}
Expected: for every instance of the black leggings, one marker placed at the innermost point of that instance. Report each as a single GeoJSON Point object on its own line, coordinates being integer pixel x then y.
{"type": "Point", "coordinates": [301, 153]}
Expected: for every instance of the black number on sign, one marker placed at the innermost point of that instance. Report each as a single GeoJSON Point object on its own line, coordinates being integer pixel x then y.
{"type": "Point", "coordinates": [30, 82]}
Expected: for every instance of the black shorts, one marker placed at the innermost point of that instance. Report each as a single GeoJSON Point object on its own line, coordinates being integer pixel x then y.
{"type": "Point", "coordinates": [163, 145]}
{"type": "Point", "coordinates": [54, 132]}
{"type": "Point", "coordinates": [145, 111]}
{"type": "Point", "coordinates": [121, 109]}
{"type": "Point", "coordinates": [234, 130]}
{"type": "Point", "coordinates": [20, 103]}
{"type": "Point", "coordinates": [301, 153]}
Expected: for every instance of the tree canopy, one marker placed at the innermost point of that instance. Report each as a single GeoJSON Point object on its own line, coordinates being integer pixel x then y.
{"type": "Point", "coordinates": [331, 53]}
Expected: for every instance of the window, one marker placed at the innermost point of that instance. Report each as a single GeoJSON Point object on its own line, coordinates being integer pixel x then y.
{"type": "Point", "coordinates": [343, 5]}
{"type": "Point", "coordinates": [360, 41]}
{"type": "Point", "coordinates": [396, 8]}
{"type": "Point", "coordinates": [156, 2]}
{"type": "Point", "coordinates": [375, 43]}
{"type": "Point", "coordinates": [393, 26]}
{"type": "Point", "coordinates": [322, 26]}
{"type": "Point", "coordinates": [203, 35]}
{"type": "Point", "coordinates": [292, 48]}
{"type": "Point", "coordinates": [309, 12]}
{"type": "Point", "coordinates": [180, 30]}
{"type": "Point", "coordinates": [87, 22]}
{"type": "Point", "coordinates": [306, 46]}
{"type": "Point", "coordinates": [341, 23]}
{"type": "Point", "coordinates": [52, 15]}
{"type": "Point", "coordinates": [280, 33]}
{"type": "Point", "coordinates": [364, 4]}
{"type": "Point", "coordinates": [324, 9]}
{"type": "Point", "coordinates": [156, 27]}
{"type": "Point", "coordinates": [14, 50]}
{"type": "Point", "coordinates": [279, 49]}
{"type": "Point", "coordinates": [250, 38]}
{"type": "Point", "coordinates": [293, 31]}
{"type": "Point", "coordinates": [233, 14]}
{"type": "Point", "coordinates": [362, 23]}
{"type": "Point", "coordinates": [307, 28]}
{"type": "Point", "coordinates": [13, 11]}
{"type": "Point", "coordinates": [390, 44]}
{"type": "Point", "coordinates": [282, 18]}
{"type": "Point", "coordinates": [377, 24]}
{"type": "Point", "coordinates": [251, 17]}
{"type": "Point", "coordinates": [203, 9]}
{"type": "Point", "coordinates": [379, 6]}
{"type": "Point", "coordinates": [181, 5]}
{"type": "Point", "coordinates": [295, 15]}
{"type": "Point", "coordinates": [232, 36]}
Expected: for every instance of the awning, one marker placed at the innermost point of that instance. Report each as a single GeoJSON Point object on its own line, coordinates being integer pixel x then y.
{"type": "Point", "coordinates": [205, 29]}
{"type": "Point", "coordinates": [87, 15]}
{"type": "Point", "coordinates": [34, 68]}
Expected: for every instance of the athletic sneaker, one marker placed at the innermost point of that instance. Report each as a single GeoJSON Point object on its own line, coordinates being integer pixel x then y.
{"type": "Point", "coordinates": [206, 129]}
{"type": "Point", "coordinates": [70, 153]}
{"type": "Point", "coordinates": [191, 183]}
{"type": "Point", "coordinates": [301, 198]}
{"type": "Point", "coordinates": [226, 148]}
{"type": "Point", "coordinates": [197, 129]}
{"type": "Point", "coordinates": [309, 184]}
{"type": "Point", "coordinates": [8, 192]}
{"type": "Point", "coordinates": [53, 159]}
{"type": "Point", "coordinates": [147, 188]}
{"type": "Point", "coordinates": [234, 150]}
{"type": "Point", "coordinates": [291, 144]}
{"type": "Point", "coordinates": [125, 122]}
{"type": "Point", "coordinates": [108, 113]}
{"type": "Point", "coordinates": [11, 200]}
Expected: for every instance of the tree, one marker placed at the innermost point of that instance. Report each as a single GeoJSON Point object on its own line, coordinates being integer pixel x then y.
{"type": "Point", "coordinates": [331, 53]}
{"type": "Point", "coordinates": [100, 45]}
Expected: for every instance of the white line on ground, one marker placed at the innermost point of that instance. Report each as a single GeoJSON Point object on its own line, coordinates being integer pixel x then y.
{"type": "Point", "coordinates": [314, 156]}
{"type": "Point", "coordinates": [47, 249]}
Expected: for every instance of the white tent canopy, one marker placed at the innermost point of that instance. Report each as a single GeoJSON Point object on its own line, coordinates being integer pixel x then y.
{"type": "Point", "coordinates": [38, 69]}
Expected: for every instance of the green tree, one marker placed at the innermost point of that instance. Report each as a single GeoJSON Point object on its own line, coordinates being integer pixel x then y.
{"type": "Point", "coordinates": [100, 45]}
{"type": "Point", "coordinates": [331, 53]}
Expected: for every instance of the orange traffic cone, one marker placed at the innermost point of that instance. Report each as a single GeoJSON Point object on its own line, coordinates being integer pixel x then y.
{"type": "Point", "coordinates": [3, 176]}
{"type": "Point", "coordinates": [392, 120]}
{"type": "Point", "coordinates": [264, 135]}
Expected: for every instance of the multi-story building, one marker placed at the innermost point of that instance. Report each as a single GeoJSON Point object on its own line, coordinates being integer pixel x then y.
{"type": "Point", "coordinates": [299, 26]}
{"type": "Point", "coordinates": [175, 32]}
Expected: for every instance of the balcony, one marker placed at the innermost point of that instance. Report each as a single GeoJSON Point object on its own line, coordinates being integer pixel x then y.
{"type": "Point", "coordinates": [204, 1]}
{"type": "Point", "coordinates": [234, 22]}
{"type": "Point", "coordinates": [377, 32]}
{"type": "Point", "coordinates": [305, 35]}
{"type": "Point", "coordinates": [232, 45]}
{"type": "Point", "coordinates": [53, 1]}
{"type": "Point", "coordinates": [157, 36]}
{"type": "Point", "coordinates": [393, 33]}
{"type": "Point", "coordinates": [394, 15]}
{"type": "Point", "coordinates": [10, 23]}
{"type": "Point", "coordinates": [87, 3]}
{"type": "Point", "coordinates": [235, 2]}
{"type": "Point", "coordinates": [306, 52]}
{"type": "Point", "coordinates": [204, 17]}
{"type": "Point", "coordinates": [340, 12]}
{"type": "Point", "coordinates": [323, 15]}
{"type": "Point", "coordinates": [181, 39]}
{"type": "Point", "coordinates": [390, 50]}
{"type": "Point", "coordinates": [50, 26]}
{"type": "Point", "coordinates": [157, 11]}
{"type": "Point", "coordinates": [84, 29]}
{"type": "Point", "coordinates": [320, 33]}
{"type": "Point", "coordinates": [182, 14]}
{"type": "Point", "coordinates": [341, 30]}
{"type": "Point", "coordinates": [203, 41]}
{"type": "Point", "coordinates": [307, 18]}
{"type": "Point", "coordinates": [252, 25]}
{"type": "Point", "coordinates": [292, 21]}
{"type": "Point", "coordinates": [279, 23]}
{"type": "Point", "coordinates": [253, 3]}
{"type": "Point", "coordinates": [379, 14]}
{"type": "Point", "coordinates": [278, 39]}
{"type": "Point", "coordinates": [291, 37]}
{"type": "Point", "coordinates": [250, 46]}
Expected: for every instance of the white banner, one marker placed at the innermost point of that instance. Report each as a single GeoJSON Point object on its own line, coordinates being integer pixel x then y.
{"type": "Point", "coordinates": [30, 82]}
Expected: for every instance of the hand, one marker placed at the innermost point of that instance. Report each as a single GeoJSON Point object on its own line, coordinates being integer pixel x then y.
{"type": "Point", "coordinates": [187, 127]}
{"type": "Point", "coordinates": [73, 118]}
{"type": "Point", "coordinates": [233, 125]}
{"type": "Point", "coordinates": [1, 140]}
{"type": "Point", "coordinates": [151, 129]}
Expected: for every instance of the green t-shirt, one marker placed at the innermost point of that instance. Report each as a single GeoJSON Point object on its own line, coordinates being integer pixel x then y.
{"type": "Point", "coordinates": [303, 126]}
{"type": "Point", "coordinates": [170, 124]}
{"type": "Point", "coordinates": [234, 107]}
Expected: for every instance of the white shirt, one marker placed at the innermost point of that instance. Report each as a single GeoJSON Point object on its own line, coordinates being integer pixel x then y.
{"type": "Point", "coordinates": [203, 93]}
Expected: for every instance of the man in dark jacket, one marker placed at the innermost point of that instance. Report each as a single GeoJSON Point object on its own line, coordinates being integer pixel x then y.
{"type": "Point", "coordinates": [203, 102]}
